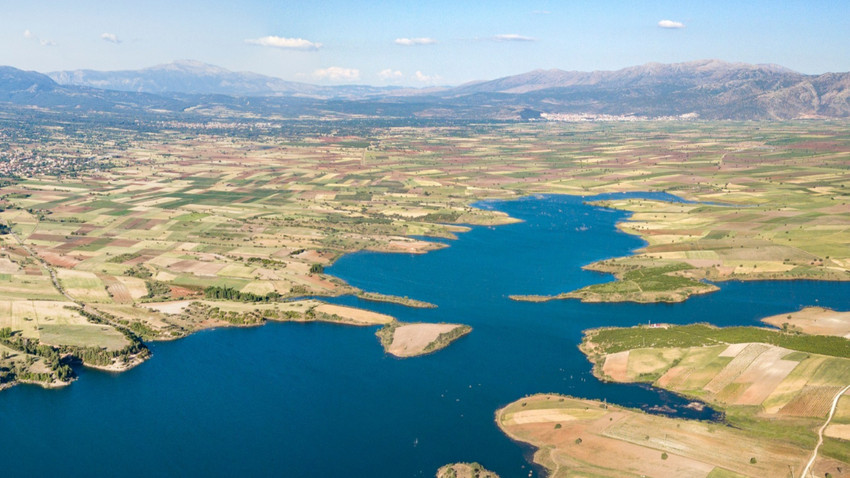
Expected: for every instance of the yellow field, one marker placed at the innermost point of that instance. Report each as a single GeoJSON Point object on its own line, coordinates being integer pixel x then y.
{"type": "Point", "coordinates": [814, 321]}
{"type": "Point", "coordinates": [777, 380]}
{"type": "Point", "coordinates": [53, 323]}
{"type": "Point", "coordinates": [577, 437]}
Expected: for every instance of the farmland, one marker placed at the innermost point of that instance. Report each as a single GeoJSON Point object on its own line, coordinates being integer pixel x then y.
{"type": "Point", "coordinates": [577, 437]}
{"type": "Point", "coordinates": [814, 321]}
{"type": "Point", "coordinates": [774, 391]}
{"type": "Point", "coordinates": [212, 216]}
{"type": "Point", "coordinates": [777, 384]}
{"type": "Point", "coordinates": [410, 340]}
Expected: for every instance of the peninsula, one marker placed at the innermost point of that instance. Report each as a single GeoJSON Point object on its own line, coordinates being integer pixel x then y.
{"type": "Point", "coordinates": [238, 220]}
{"type": "Point", "coordinates": [783, 394]}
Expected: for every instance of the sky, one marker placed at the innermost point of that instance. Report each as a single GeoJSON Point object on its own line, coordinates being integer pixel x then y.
{"type": "Point", "coordinates": [422, 43]}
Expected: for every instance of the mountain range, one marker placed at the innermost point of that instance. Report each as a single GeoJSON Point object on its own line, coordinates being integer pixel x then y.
{"type": "Point", "coordinates": [195, 77]}
{"type": "Point", "coordinates": [707, 89]}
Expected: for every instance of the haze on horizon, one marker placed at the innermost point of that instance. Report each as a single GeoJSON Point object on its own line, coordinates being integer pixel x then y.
{"type": "Point", "coordinates": [439, 42]}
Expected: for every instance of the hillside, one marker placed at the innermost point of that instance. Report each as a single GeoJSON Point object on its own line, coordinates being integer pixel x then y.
{"type": "Point", "coordinates": [705, 89]}
{"type": "Point", "coordinates": [195, 77]}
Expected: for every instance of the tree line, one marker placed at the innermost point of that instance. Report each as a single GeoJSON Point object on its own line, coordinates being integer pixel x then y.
{"type": "Point", "coordinates": [229, 293]}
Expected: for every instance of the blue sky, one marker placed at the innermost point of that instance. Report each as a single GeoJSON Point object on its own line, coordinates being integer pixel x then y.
{"type": "Point", "coordinates": [420, 43]}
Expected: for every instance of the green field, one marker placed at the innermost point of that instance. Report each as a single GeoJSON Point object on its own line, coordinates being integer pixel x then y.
{"type": "Point", "coordinates": [263, 212]}
{"type": "Point", "coordinates": [774, 384]}
{"type": "Point", "coordinates": [611, 340]}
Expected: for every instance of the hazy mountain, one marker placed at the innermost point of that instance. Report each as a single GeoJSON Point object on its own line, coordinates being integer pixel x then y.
{"type": "Point", "coordinates": [708, 89]}
{"type": "Point", "coordinates": [29, 88]}
{"type": "Point", "coordinates": [194, 77]}
{"type": "Point", "coordinates": [692, 73]}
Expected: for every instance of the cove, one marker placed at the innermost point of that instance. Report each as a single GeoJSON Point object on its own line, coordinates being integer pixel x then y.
{"type": "Point", "coordinates": [324, 400]}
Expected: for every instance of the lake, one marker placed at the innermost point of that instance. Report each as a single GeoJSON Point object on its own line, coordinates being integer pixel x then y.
{"type": "Point", "coordinates": [324, 400]}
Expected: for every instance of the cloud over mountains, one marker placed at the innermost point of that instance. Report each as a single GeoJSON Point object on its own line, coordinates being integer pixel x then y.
{"type": "Point", "coordinates": [285, 43]}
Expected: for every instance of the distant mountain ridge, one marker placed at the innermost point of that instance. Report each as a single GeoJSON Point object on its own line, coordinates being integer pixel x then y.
{"type": "Point", "coordinates": [702, 70]}
{"type": "Point", "coordinates": [707, 89]}
{"type": "Point", "coordinates": [711, 89]}
{"type": "Point", "coordinates": [195, 77]}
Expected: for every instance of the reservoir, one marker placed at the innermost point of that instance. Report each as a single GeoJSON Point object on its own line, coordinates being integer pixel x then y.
{"type": "Point", "coordinates": [301, 400]}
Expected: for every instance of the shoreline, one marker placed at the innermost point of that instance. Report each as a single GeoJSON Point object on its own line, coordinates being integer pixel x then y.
{"type": "Point", "coordinates": [504, 220]}
{"type": "Point", "coordinates": [594, 438]}
{"type": "Point", "coordinates": [393, 299]}
{"type": "Point", "coordinates": [587, 294]}
{"type": "Point", "coordinates": [419, 338]}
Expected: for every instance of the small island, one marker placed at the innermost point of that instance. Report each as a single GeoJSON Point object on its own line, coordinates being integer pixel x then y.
{"type": "Point", "coordinates": [413, 339]}
{"type": "Point", "coordinates": [465, 470]}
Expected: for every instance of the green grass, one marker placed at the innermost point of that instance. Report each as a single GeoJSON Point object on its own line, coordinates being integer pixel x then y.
{"type": "Point", "coordinates": [618, 339]}
{"type": "Point", "coordinates": [831, 372]}
{"type": "Point", "coordinates": [640, 279]}
{"type": "Point", "coordinates": [836, 448]}
{"type": "Point", "coordinates": [723, 473]}
{"type": "Point", "coordinates": [799, 433]}
{"type": "Point", "coordinates": [192, 216]}
{"type": "Point", "coordinates": [95, 245]}
{"type": "Point", "coordinates": [842, 411]}
{"type": "Point", "coordinates": [215, 198]}
{"type": "Point", "coordinates": [83, 336]}
{"type": "Point", "coordinates": [659, 279]}
{"type": "Point", "coordinates": [29, 287]}
{"type": "Point", "coordinates": [118, 212]}
{"type": "Point", "coordinates": [196, 282]}
{"type": "Point", "coordinates": [796, 356]}
{"type": "Point", "coordinates": [123, 257]}
{"type": "Point", "coordinates": [443, 340]}
{"type": "Point", "coordinates": [105, 204]}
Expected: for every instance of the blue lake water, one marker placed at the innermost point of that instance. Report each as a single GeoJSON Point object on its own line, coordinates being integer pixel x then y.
{"type": "Point", "coordinates": [324, 400]}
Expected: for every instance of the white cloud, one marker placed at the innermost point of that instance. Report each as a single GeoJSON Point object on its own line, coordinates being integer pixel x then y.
{"type": "Point", "coordinates": [390, 74]}
{"type": "Point", "coordinates": [414, 41]}
{"type": "Point", "coordinates": [512, 37]}
{"type": "Point", "coordinates": [32, 36]}
{"type": "Point", "coordinates": [337, 73]}
{"type": "Point", "coordinates": [670, 24]}
{"type": "Point", "coordinates": [285, 43]}
{"type": "Point", "coordinates": [541, 12]}
{"type": "Point", "coordinates": [110, 37]}
{"type": "Point", "coordinates": [423, 78]}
